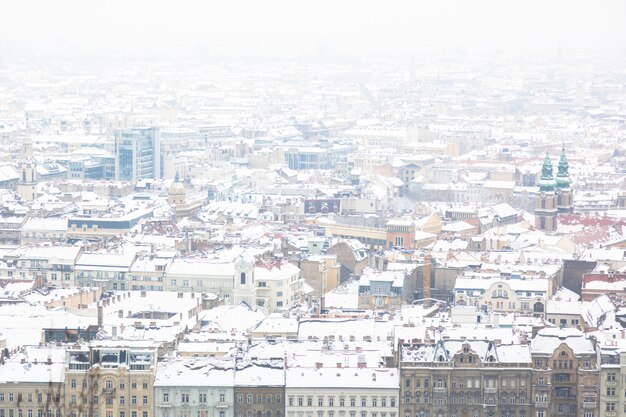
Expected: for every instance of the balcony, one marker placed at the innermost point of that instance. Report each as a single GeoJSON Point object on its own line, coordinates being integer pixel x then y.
{"type": "Point", "coordinates": [491, 390]}
{"type": "Point", "coordinates": [110, 391]}
{"type": "Point", "coordinates": [221, 405]}
{"type": "Point", "coordinates": [563, 397]}
{"type": "Point", "coordinates": [440, 390]}
{"type": "Point", "coordinates": [610, 413]}
{"type": "Point", "coordinates": [611, 383]}
{"type": "Point", "coordinates": [541, 405]}
{"type": "Point", "coordinates": [166, 405]}
{"type": "Point", "coordinates": [589, 404]}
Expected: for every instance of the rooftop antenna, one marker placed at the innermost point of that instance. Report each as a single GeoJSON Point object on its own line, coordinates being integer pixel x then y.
{"type": "Point", "coordinates": [28, 145]}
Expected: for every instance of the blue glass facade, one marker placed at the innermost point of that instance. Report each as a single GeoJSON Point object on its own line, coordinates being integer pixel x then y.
{"type": "Point", "coordinates": [137, 154]}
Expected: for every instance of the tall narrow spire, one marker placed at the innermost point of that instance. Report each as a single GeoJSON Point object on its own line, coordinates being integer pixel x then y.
{"type": "Point", "coordinates": [562, 176]}
{"type": "Point", "coordinates": [27, 145]}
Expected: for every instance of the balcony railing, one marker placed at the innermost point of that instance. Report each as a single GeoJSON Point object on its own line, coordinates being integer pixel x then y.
{"type": "Point", "coordinates": [490, 390]}
{"type": "Point", "coordinates": [589, 404]}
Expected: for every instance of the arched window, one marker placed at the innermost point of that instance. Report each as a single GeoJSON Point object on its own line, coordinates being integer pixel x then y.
{"type": "Point", "coordinates": [240, 414]}
{"type": "Point", "coordinates": [268, 413]}
{"type": "Point", "coordinates": [268, 399]}
{"type": "Point", "coordinates": [259, 400]}
{"type": "Point", "coordinates": [242, 278]}
{"type": "Point", "coordinates": [417, 397]}
{"type": "Point", "coordinates": [250, 399]}
{"type": "Point", "coordinates": [250, 413]}
{"type": "Point", "coordinates": [259, 413]}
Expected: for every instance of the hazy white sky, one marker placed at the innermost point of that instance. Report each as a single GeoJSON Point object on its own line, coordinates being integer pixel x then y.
{"type": "Point", "coordinates": [65, 28]}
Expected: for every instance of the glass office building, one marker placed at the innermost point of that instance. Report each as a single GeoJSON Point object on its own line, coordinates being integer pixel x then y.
{"type": "Point", "coordinates": [137, 154]}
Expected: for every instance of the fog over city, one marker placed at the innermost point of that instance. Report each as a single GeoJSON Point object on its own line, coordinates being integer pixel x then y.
{"type": "Point", "coordinates": [71, 30]}
{"type": "Point", "coordinates": [312, 209]}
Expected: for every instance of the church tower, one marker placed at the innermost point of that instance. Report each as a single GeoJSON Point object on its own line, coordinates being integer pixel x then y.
{"type": "Point", "coordinates": [27, 171]}
{"type": "Point", "coordinates": [545, 202]}
{"type": "Point", "coordinates": [564, 198]}
{"type": "Point", "coordinates": [244, 287]}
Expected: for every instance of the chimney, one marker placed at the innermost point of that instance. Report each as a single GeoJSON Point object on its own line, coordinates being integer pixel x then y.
{"type": "Point", "coordinates": [100, 315]}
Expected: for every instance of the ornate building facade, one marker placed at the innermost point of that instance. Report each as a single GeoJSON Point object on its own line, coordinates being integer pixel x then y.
{"type": "Point", "coordinates": [465, 378]}
{"type": "Point", "coordinates": [566, 374]}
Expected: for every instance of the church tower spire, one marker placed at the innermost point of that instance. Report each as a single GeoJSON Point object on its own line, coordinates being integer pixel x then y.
{"type": "Point", "coordinates": [564, 201]}
{"type": "Point", "coordinates": [27, 169]}
{"type": "Point", "coordinates": [562, 176]}
{"type": "Point", "coordinates": [545, 202]}
{"type": "Point", "coordinates": [547, 182]}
